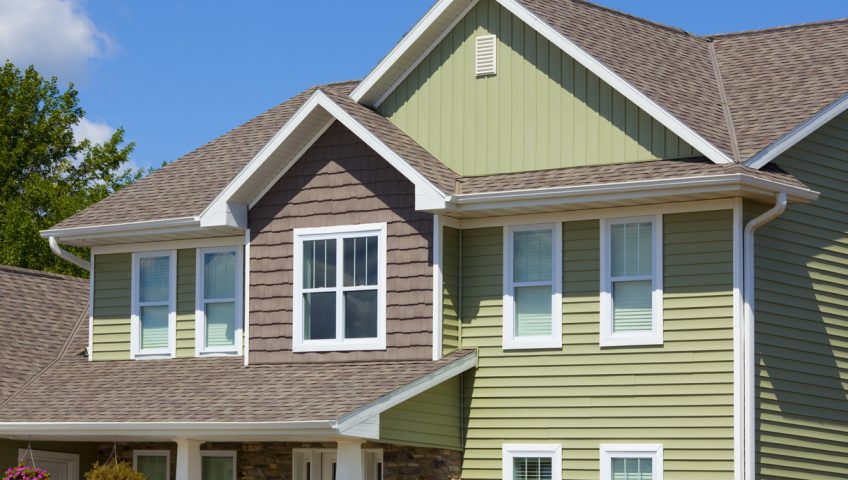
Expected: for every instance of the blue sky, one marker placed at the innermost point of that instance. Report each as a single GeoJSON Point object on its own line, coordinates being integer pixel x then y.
{"type": "Point", "coordinates": [176, 74]}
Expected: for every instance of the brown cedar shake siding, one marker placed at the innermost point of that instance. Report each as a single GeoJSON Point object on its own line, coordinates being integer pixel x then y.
{"type": "Point", "coordinates": [340, 181]}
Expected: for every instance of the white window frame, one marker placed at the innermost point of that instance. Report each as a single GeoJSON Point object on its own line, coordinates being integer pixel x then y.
{"type": "Point", "coordinates": [339, 233]}
{"type": "Point", "coordinates": [313, 455]}
{"type": "Point", "coordinates": [609, 338]}
{"type": "Point", "coordinates": [200, 304]}
{"type": "Point", "coordinates": [153, 453]}
{"type": "Point", "coordinates": [554, 340]}
{"type": "Point", "coordinates": [510, 451]}
{"type": "Point", "coordinates": [221, 453]}
{"type": "Point", "coordinates": [610, 451]}
{"type": "Point", "coordinates": [136, 352]}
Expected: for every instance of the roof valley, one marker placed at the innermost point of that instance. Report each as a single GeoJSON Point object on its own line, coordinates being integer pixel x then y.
{"type": "Point", "coordinates": [725, 106]}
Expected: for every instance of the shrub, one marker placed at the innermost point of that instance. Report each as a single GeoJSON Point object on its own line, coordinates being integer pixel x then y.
{"type": "Point", "coordinates": [113, 471]}
{"type": "Point", "coordinates": [25, 472]}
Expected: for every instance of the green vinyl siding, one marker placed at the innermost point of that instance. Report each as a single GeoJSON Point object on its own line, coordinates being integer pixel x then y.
{"type": "Point", "coordinates": [112, 284]}
{"type": "Point", "coordinates": [542, 110]}
{"type": "Point", "coordinates": [679, 394]}
{"type": "Point", "coordinates": [801, 308]}
{"type": "Point", "coordinates": [186, 277]}
{"type": "Point", "coordinates": [113, 304]}
{"type": "Point", "coordinates": [450, 302]}
{"type": "Point", "coordinates": [430, 419]}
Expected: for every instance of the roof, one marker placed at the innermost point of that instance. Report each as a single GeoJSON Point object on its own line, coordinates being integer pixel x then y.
{"type": "Point", "coordinates": [619, 173]}
{"type": "Point", "coordinates": [38, 312]}
{"type": "Point", "coordinates": [181, 390]}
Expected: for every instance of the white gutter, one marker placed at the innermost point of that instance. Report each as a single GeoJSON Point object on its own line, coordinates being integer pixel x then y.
{"type": "Point", "coordinates": [54, 245]}
{"type": "Point", "coordinates": [115, 228]}
{"type": "Point", "coordinates": [749, 365]}
{"type": "Point", "coordinates": [168, 429]}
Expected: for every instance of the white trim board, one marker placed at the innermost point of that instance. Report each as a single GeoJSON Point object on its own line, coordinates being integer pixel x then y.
{"type": "Point", "coordinates": [169, 245]}
{"type": "Point", "coordinates": [633, 94]}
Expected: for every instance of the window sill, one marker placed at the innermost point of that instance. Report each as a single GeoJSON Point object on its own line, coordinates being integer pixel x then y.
{"type": "Point", "coordinates": [532, 343]}
{"type": "Point", "coordinates": [218, 353]}
{"type": "Point", "coordinates": [370, 345]}
{"type": "Point", "coordinates": [632, 340]}
{"type": "Point", "coordinates": [152, 355]}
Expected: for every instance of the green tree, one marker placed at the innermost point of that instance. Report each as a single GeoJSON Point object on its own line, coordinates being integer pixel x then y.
{"type": "Point", "coordinates": [46, 174]}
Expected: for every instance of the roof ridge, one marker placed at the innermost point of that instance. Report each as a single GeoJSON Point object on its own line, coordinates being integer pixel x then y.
{"type": "Point", "coordinates": [39, 273]}
{"type": "Point", "coordinates": [794, 26]}
{"type": "Point", "coordinates": [631, 16]}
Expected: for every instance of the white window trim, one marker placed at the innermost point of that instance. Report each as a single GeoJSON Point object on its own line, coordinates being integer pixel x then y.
{"type": "Point", "coordinates": [338, 344]}
{"type": "Point", "coordinates": [653, 451]}
{"type": "Point", "coordinates": [513, 450]}
{"type": "Point", "coordinates": [136, 352]}
{"type": "Point", "coordinates": [655, 337]}
{"type": "Point", "coordinates": [554, 340]}
{"type": "Point", "coordinates": [200, 347]}
{"type": "Point", "coordinates": [223, 453]}
{"type": "Point", "coordinates": [153, 453]}
{"type": "Point", "coordinates": [306, 455]}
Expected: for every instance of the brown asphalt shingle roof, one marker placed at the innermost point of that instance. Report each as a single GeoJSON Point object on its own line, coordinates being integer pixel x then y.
{"type": "Point", "coordinates": [38, 313]}
{"type": "Point", "coordinates": [772, 79]}
{"type": "Point", "coordinates": [209, 390]}
{"type": "Point", "coordinates": [607, 174]}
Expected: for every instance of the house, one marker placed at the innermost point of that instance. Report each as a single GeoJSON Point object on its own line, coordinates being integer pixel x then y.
{"type": "Point", "coordinates": [542, 240]}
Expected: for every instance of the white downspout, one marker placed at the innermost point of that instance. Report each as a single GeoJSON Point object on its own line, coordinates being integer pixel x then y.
{"type": "Point", "coordinates": [54, 245]}
{"type": "Point", "coordinates": [749, 344]}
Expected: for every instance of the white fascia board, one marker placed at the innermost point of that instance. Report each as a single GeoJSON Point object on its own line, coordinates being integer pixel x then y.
{"type": "Point", "coordinates": [629, 190]}
{"type": "Point", "coordinates": [633, 94]}
{"type": "Point", "coordinates": [799, 133]}
{"type": "Point", "coordinates": [366, 413]}
{"type": "Point", "coordinates": [116, 229]}
{"type": "Point", "coordinates": [426, 194]}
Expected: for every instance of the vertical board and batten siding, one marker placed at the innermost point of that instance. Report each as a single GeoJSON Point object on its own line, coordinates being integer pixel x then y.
{"type": "Point", "coordinates": [341, 181]}
{"type": "Point", "coordinates": [679, 394]}
{"type": "Point", "coordinates": [112, 285]}
{"type": "Point", "coordinates": [113, 303]}
{"type": "Point", "coordinates": [541, 110]}
{"type": "Point", "coordinates": [450, 292]}
{"type": "Point", "coordinates": [801, 316]}
{"type": "Point", "coordinates": [430, 419]}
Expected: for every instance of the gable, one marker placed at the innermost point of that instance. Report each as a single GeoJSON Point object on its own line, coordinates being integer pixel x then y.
{"type": "Point", "coordinates": [542, 109]}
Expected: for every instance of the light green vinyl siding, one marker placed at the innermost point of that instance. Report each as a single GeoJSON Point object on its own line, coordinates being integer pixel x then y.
{"type": "Point", "coordinates": [186, 277]}
{"type": "Point", "coordinates": [802, 318]}
{"type": "Point", "coordinates": [112, 305]}
{"type": "Point", "coordinates": [542, 110]}
{"type": "Point", "coordinates": [679, 394]}
{"type": "Point", "coordinates": [430, 419]}
{"type": "Point", "coordinates": [112, 284]}
{"type": "Point", "coordinates": [450, 302]}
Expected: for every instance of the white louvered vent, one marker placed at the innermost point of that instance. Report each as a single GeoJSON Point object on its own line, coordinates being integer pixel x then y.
{"type": "Point", "coordinates": [486, 55]}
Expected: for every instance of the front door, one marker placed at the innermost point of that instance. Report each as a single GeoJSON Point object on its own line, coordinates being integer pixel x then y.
{"type": "Point", "coordinates": [60, 466]}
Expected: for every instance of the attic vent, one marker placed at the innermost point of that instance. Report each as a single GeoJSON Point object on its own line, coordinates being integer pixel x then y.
{"type": "Point", "coordinates": [486, 55]}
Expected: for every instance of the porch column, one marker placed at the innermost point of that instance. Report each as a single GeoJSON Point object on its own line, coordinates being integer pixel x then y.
{"type": "Point", "coordinates": [188, 459]}
{"type": "Point", "coordinates": [348, 459]}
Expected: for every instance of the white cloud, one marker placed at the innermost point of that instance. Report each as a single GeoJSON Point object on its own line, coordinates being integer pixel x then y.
{"type": "Point", "coordinates": [56, 36]}
{"type": "Point", "coordinates": [97, 132]}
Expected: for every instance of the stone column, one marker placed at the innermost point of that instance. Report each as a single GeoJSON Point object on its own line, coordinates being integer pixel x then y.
{"type": "Point", "coordinates": [348, 459]}
{"type": "Point", "coordinates": [188, 459]}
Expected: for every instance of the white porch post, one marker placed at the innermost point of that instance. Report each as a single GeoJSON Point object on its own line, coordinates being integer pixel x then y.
{"type": "Point", "coordinates": [188, 459]}
{"type": "Point", "coordinates": [348, 459]}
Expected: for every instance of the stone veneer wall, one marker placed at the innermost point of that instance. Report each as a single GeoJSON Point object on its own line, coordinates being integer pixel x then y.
{"type": "Point", "coordinates": [273, 460]}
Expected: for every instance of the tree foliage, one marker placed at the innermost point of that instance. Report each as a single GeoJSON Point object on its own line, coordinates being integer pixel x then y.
{"type": "Point", "coordinates": [47, 175]}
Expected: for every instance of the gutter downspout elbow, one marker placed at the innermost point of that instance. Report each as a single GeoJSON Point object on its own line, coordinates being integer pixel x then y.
{"type": "Point", "coordinates": [54, 246]}
{"type": "Point", "coordinates": [748, 332]}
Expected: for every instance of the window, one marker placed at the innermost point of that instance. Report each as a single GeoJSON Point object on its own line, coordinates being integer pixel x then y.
{"type": "Point", "coordinates": [532, 462]}
{"type": "Point", "coordinates": [153, 319]}
{"type": "Point", "coordinates": [631, 462]}
{"type": "Point", "coordinates": [631, 281]}
{"type": "Point", "coordinates": [340, 288]}
{"type": "Point", "coordinates": [320, 464]}
{"type": "Point", "coordinates": [532, 287]}
{"type": "Point", "coordinates": [217, 465]}
{"type": "Point", "coordinates": [154, 464]}
{"type": "Point", "coordinates": [219, 301]}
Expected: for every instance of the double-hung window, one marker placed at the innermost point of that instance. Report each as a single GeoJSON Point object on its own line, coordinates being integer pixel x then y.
{"type": "Point", "coordinates": [217, 465]}
{"type": "Point", "coordinates": [154, 464]}
{"type": "Point", "coordinates": [340, 288]}
{"type": "Point", "coordinates": [532, 462]}
{"type": "Point", "coordinates": [631, 462]}
{"type": "Point", "coordinates": [219, 301]}
{"type": "Point", "coordinates": [532, 287]}
{"type": "Point", "coordinates": [153, 316]}
{"type": "Point", "coordinates": [631, 281]}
